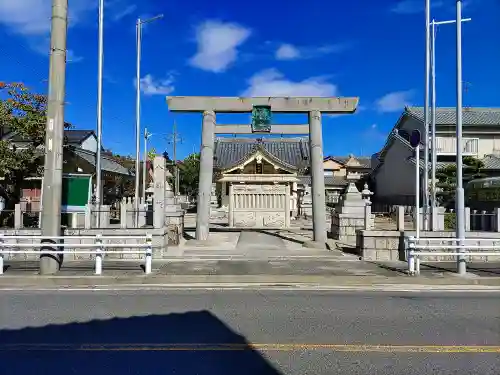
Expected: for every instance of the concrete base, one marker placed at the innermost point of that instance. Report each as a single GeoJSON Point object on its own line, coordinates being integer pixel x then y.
{"type": "Point", "coordinates": [315, 245]}
{"type": "Point", "coordinates": [201, 243]}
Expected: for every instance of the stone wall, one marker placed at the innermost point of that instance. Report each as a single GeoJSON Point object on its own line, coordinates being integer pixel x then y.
{"type": "Point", "coordinates": [381, 245]}
{"type": "Point", "coordinates": [376, 245]}
{"type": "Point", "coordinates": [159, 242]}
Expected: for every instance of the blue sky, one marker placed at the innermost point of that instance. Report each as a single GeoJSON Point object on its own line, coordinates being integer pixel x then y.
{"type": "Point", "coordinates": [370, 49]}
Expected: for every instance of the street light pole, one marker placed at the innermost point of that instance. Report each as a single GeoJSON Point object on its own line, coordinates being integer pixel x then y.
{"type": "Point", "coordinates": [144, 166]}
{"type": "Point", "coordinates": [138, 30]}
{"type": "Point", "coordinates": [426, 114]}
{"type": "Point", "coordinates": [434, 25]}
{"type": "Point", "coordinates": [99, 111]}
{"type": "Point", "coordinates": [459, 199]}
{"type": "Point", "coordinates": [54, 133]}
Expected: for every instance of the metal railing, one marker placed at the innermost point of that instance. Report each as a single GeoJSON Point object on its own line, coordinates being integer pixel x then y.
{"type": "Point", "coordinates": [98, 248]}
{"type": "Point", "coordinates": [457, 246]}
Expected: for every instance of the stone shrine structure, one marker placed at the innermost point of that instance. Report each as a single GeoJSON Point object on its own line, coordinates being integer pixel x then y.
{"type": "Point", "coordinates": [248, 200]}
{"type": "Point", "coordinates": [353, 213]}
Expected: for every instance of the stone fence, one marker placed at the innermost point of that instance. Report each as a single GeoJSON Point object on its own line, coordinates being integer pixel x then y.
{"type": "Point", "coordinates": [377, 245]}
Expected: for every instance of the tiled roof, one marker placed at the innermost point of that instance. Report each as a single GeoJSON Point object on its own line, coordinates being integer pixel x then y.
{"type": "Point", "coordinates": [491, 162]}
{"type": "Point", "coordinates": [364, 161]}
{"type": "Point", "coordinates": [108, 164]}
{"type": "Point", "coordinates": [72, 136]}
{"type": "Point", "coordinates": [293, 152]}
{"type": "Point", "coordinates": [77, 136]}
{"type": "Point", "coordinates": [470, 115]}
{"type": "Point", "coordinates": [329, 181]}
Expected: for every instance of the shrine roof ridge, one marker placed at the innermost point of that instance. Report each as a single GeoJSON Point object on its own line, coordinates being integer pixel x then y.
{"type": "Point", "coordinates": [263, 139]}
{"type": "Point", "coordinates": [295, 104]}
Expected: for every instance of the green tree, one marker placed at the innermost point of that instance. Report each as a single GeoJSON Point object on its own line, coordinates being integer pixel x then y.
{"type": "Point", "coordinates": [447, 179]}
{"type": "Point", "coordinates": [24, 113]}
{"type": "Point", "coordinates": [189, 172]}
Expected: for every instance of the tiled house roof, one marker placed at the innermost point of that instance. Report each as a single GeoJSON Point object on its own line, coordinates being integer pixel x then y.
{"type": "Point", "coordinates": [491, 163]}
{"type": "Point", "coordinates": [291, 152]}
{"type": "Point", "coordinates": [364, 161]}
{"type": "Point", "coordinates": [107, 163]}
{"type": "Point", "coordinates": [73, 137]}
{"type": "Point", "coordinates": [470, 115]}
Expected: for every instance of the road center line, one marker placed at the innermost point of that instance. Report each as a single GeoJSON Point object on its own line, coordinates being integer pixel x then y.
{"type": "Point", "coordinates": [260, 347]}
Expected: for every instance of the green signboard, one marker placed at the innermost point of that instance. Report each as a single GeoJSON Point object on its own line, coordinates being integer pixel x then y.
{"type": "Point", "coordinates": [76, 192]}
{"type": "Point", "coordinates": [261, 119]}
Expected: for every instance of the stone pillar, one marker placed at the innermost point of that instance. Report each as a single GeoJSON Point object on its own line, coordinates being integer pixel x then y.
{"type": "Point", "coordinates": [295, 199]}
{"type": "Point", "coordinates": [317, 177]}
{"type": "Point", "coordinates": [287, 206]}
{"type": "Point", "coordinates": [18, 216]}
{"type": "Point", "coordinates": [467, 219]}
{"type": "Point", "coordinates": [214, 202]}
{"type": "Point", "coordinates": [306, 202]}
{"type": "Point", "coordinates": [88, 216]}
{"type": "Point", "coordinates": [231, 205]}
{"type": "Point", "coordinates": [123, 214]}
{"type": "Point", "coordinates": [496, 226]}
{"type": "Point", "coordinates": [159, 192]}
{"type": "Point", "coordinates": [400, 217]}
{"type": "Point", "coordinates": [206, 175]}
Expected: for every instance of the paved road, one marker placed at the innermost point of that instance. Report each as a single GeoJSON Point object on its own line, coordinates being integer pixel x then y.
{"type": "Point", "coordinates": [248, 332]}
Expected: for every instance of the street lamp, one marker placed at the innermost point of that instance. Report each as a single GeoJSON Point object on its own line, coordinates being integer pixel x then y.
{"type": "Point", "coordinates": [426, 114]}
{"type": "Point", "coordinates": [147, 135]}
{"type": "Point", "coordinates": [138, 29]}
{"type": "Point", "coordinates": [434, 25]}
{"type": "Point", "coordinates": [459, 197]}
{"type": "Point", "coordinates": [99, 110]}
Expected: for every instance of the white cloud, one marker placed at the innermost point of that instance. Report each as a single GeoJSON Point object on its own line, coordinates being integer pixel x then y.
{"type": "Point", "coordinates": [33, 17]}
{"type": "Point", "coordinates": [152, 86]}
{"type": "Point", "coordinates": [71, 57]}
{"type": "Point", "coordinates": [413, 6]}
{"type": "Point", "coordinates": [287, 52]}
{"type": "Point", "coordinates": [290, 52]}
{"type": "Point", "coordinates": [271, 82]}
{"type": "Point", "coordinates": [218, 44]}
{"type": "Point", "coordinates": [394, 101]}
{"type": "Point", "coordinates": [124, 11]}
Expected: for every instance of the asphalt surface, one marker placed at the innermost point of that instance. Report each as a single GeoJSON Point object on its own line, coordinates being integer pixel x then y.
{"type": "Point", "coordinates": [248, 332]}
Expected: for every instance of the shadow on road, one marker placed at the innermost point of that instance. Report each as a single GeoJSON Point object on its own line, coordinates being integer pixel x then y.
{"type": "Point", "coordinates": [188, 343]}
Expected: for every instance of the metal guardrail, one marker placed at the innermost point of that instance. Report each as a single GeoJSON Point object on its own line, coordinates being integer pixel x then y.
{"type": "Point", "coordinates": [98, 248]}
{"type": "Point", "coordinates": [414, 249]}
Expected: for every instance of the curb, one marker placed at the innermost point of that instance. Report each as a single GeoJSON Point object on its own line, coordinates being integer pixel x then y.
{"type": "Point", "coordinates": [419, 288]}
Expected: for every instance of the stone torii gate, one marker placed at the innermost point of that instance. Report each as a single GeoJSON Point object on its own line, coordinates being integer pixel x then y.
{"type": "Point", "coordinates": [313, 106]}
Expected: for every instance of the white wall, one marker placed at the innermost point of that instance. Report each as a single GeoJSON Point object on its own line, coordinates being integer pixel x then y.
{"type": "Point", "coordinates": [90, 144]}
{"type": "Point", "coordinates": [395, 179]}
{"type": "Point", "coordinates": [487, 143]}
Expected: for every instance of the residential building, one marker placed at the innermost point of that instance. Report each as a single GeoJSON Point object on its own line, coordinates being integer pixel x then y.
{"type": "Point", "coordinates": [80, 151]}
{"type": "Point", "coordinates": [393, 176]}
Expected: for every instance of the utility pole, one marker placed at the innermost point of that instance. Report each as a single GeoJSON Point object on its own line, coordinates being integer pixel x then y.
{"type": "Point", "coordinates": [459, 196]}
{"type": "Point", "coordinates": [99, 112]}
{"type": "Point", "coordinates": [144, 166]}
{"type": "Point", "coordinates": [54, 133]}
{"type": "Point", "coordinates": [426, 114]}
{"type": "Point", "coordinates": [138, 30]}
{"type": "Point", "coordinates": [174, 138]}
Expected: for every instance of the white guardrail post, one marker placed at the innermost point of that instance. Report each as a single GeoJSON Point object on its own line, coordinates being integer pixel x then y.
{"type": "Point", "coordinates": [411, 256]}
{"type": "Point", "coordinates": [149, 253]}
{"type": "Point", "coordinates": [98, 255]}
{"type": "Point", "coordinates": [1, 254]}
